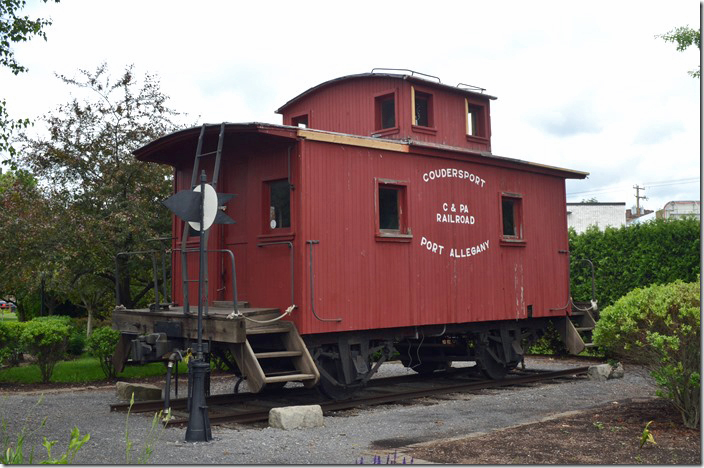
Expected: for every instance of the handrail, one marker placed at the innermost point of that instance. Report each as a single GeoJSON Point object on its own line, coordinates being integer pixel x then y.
{"type": "Point", "coordinates": [184, 274]}
{"type": "Point", "coordinates": [312, 295]}
{"type": "Point", "coordinates": [290, 245]}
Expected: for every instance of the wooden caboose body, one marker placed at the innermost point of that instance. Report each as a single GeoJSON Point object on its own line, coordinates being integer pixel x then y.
{"type": "Point", "coordinates": [380, 214]}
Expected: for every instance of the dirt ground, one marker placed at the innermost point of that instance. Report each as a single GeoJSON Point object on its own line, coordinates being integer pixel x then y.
{"type": "Point", "coordinates": [608, 435]}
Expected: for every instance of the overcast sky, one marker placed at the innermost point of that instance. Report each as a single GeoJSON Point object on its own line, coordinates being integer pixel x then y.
{"type": "Point", "coordinates": [580, 85]}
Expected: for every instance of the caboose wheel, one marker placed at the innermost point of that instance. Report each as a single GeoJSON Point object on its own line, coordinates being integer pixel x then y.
{"type": "Point", "coordinates": [490, 364]}
{"type": "Point", "coordinates": [494, 357]}
{"type": "Point", "coordinates": [333, 390]}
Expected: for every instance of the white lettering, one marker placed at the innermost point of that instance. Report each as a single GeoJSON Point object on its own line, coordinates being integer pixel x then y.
{"type": "Point", "coordinates": [453, 173]}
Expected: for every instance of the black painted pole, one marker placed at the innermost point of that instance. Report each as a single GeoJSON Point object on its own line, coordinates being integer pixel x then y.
{"type": "Point", "coordinates": [198, 422]}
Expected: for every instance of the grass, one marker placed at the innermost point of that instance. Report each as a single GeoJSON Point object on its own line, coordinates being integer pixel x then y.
{"type": "Point", "coordinates": [4, 315]}
{"type": "Point", "coordinates": [82, 370]}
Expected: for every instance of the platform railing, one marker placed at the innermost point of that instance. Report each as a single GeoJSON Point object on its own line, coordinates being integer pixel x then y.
{"type": "Point", "coordinates": [184, 276]}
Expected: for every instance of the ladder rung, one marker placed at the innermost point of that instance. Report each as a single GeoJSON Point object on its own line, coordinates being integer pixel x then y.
{"type": "Point", "coordinates": [579, 329]}
{"type": "Point", "coordinates": [277, 354]}
{"type": "Point", "coordinates": [206, 154]}
{"type": "Point", "coordinates": [589, 345]}
{"type": "Point", "coordinates": [289, 378]}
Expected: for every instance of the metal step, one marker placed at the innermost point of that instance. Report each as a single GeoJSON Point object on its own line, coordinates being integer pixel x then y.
{"type": "Point", "coordinates": [277, 354]}
{"type": "Point", "coordinates": [289, 378]}
{"type": "Point", "coordinates": [583, 329]}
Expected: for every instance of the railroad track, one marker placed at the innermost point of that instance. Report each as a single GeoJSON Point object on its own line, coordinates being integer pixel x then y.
{"type": "Point", "coordinates": [249, 408]}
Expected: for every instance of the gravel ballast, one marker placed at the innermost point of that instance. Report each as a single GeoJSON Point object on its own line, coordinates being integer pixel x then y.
{"type": "Point", "coordinates": [343, 439]}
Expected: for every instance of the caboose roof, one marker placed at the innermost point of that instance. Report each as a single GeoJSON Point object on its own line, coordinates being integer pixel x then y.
{"type": "Point", "coordinates": [406, 77]}
{"type": "Point", "coordinates": [180, 145]}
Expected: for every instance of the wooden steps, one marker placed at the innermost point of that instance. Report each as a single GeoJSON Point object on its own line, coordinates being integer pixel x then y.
{"type": "Point", "coordinates": [274, 353]}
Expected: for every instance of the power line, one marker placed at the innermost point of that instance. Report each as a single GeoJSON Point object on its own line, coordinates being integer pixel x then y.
{"type": "Point", "coordinates": [647, 184]}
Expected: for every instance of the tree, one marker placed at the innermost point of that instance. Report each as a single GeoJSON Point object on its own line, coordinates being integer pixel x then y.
{"type": "Point", "coordinates": [30, 230]}
{"type": "Point", "coordinates": [685, 37]}
{"type": "Point", "coordinates": [14, 29]}
{"type": "Point", "coordinates": [108, 201]}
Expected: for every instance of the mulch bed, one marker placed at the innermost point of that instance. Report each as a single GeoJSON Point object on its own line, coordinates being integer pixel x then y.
{"type": "Point", "coordinates": [606, 435]}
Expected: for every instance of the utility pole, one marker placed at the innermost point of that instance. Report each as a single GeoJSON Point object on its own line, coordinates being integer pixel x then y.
{"type": "Point", "coordinates": [638, 197]}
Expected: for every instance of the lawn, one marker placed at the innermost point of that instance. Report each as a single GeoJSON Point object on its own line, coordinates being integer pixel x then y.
{"type": "Point", "coordinates": [10, 316]}
{"type": "Point", "coordinates": [82, 370]}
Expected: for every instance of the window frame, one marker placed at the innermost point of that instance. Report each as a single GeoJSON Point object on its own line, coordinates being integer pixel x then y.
{"type": "Point", "coordinates": [378, 99]}
{"type": "Point", "coordinates": [430, 128]}
{"type": "Point", "coordinates": [296, 120]}
{"type": "Point", "coordinates": [266, 229]}
{"type": "Point", "coordinates": [403, 233]}
{"type": "Point", "coordinates": [481, 133]}
{"type": "Point", "coordinates": [518, 239]}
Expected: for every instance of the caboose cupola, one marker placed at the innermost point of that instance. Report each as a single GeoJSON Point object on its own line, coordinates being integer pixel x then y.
{"type": "Point", "coordinates": [409, 107]}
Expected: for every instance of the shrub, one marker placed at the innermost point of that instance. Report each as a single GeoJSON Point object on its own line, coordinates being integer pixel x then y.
{"type": "Point", "coordinates": [10, 345]}
{"type": "Point", "coordinates": [633, 257]}
{"type": "Point", "coordinates": [46, 338]}
{"type": "Point", "coordinates": [76, 342]}
{"type": "Point", "coordinates": [101, 344]}
{"type": "Point", "coordinates": [659, 326]}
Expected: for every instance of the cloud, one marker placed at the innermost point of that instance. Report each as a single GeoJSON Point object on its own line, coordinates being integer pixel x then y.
{"type": "Point", "coordinates": [657, 132]}
{"type": "Point", "coordinates": [573, 118]}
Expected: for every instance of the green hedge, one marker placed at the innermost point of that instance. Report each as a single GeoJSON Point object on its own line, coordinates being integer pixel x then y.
{"type": "Point", "coordinates": [632, 257]}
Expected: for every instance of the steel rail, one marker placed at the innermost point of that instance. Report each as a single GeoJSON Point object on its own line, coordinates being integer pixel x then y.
{"type": "Point", "coordinates": [403, 395]}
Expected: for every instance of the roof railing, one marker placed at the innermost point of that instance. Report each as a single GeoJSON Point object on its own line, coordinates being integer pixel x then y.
{"type": "Point", "coordinates": [412, 72]}
{"type": "Point", "coordinates": [470, 87]}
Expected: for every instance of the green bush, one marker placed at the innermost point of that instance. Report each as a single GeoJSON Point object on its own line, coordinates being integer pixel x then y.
{"type": "Point", "coordinates": [101, 344]}
{"type": "Point", "coordinates": [659, 326]}
{"type": "Point", "coordinates": [10, 344]}
{"type": "Point", "coordinates": [632, 257]}
{"type": "Point", "coordinates": [76, 342]}
{"type": "Point", "coordinates": [46, 339]}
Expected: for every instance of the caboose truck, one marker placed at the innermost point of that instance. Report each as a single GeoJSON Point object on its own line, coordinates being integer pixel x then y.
{"type": "Point", "coordinates": [376, 219]}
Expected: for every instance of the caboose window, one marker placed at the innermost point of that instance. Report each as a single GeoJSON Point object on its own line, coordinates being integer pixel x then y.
{"type": "Point", "coordinates": [389, 213]}
{"type": "Point", "coordinates": [422, 109]}
{"type": "Point", "coordinates": [385, 111]}
{"type": "Point", "coordinates": [476, 126]}
{"type": "Point", "coordinates": [300, 121]}
{"type": "Point", "coordinates": [279, 195]}
{"type": "Point", "coordinates": [511, 217]}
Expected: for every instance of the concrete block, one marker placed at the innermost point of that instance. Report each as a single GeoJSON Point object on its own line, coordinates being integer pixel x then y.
{"type": "Point", "coordinates": [600, 372]}
{"type": "Point", "coordinates": [142, 392]}
{"type": "Point", "coordinates": [617, 371]}
{"type": "Point", "coordinates": [294, 417]}
{"type": "Point", "coordinates": [605, 372]}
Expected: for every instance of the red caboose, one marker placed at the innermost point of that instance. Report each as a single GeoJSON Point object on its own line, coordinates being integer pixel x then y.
{"type": "Point", "coordinates": [375, 219]}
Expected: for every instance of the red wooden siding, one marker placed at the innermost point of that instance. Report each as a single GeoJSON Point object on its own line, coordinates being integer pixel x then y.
{"type": "Point", "coordinates": [374, 284]}
{"type": "Point", "coordinates": [349, 107]}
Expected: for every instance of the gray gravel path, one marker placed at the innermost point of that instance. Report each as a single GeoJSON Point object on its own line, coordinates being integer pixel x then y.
{"type": "Point", "coordinates": [342, 440]}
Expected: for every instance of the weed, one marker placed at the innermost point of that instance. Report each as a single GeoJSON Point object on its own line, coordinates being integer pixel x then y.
{"type": "Point", "coordinates": [155, 432]}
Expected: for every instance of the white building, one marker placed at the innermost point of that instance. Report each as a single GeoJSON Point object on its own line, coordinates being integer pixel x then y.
{"type": "Point", "coordinates": [681, 209]}
{"type": "Point", "coordinates": [582, 215]}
